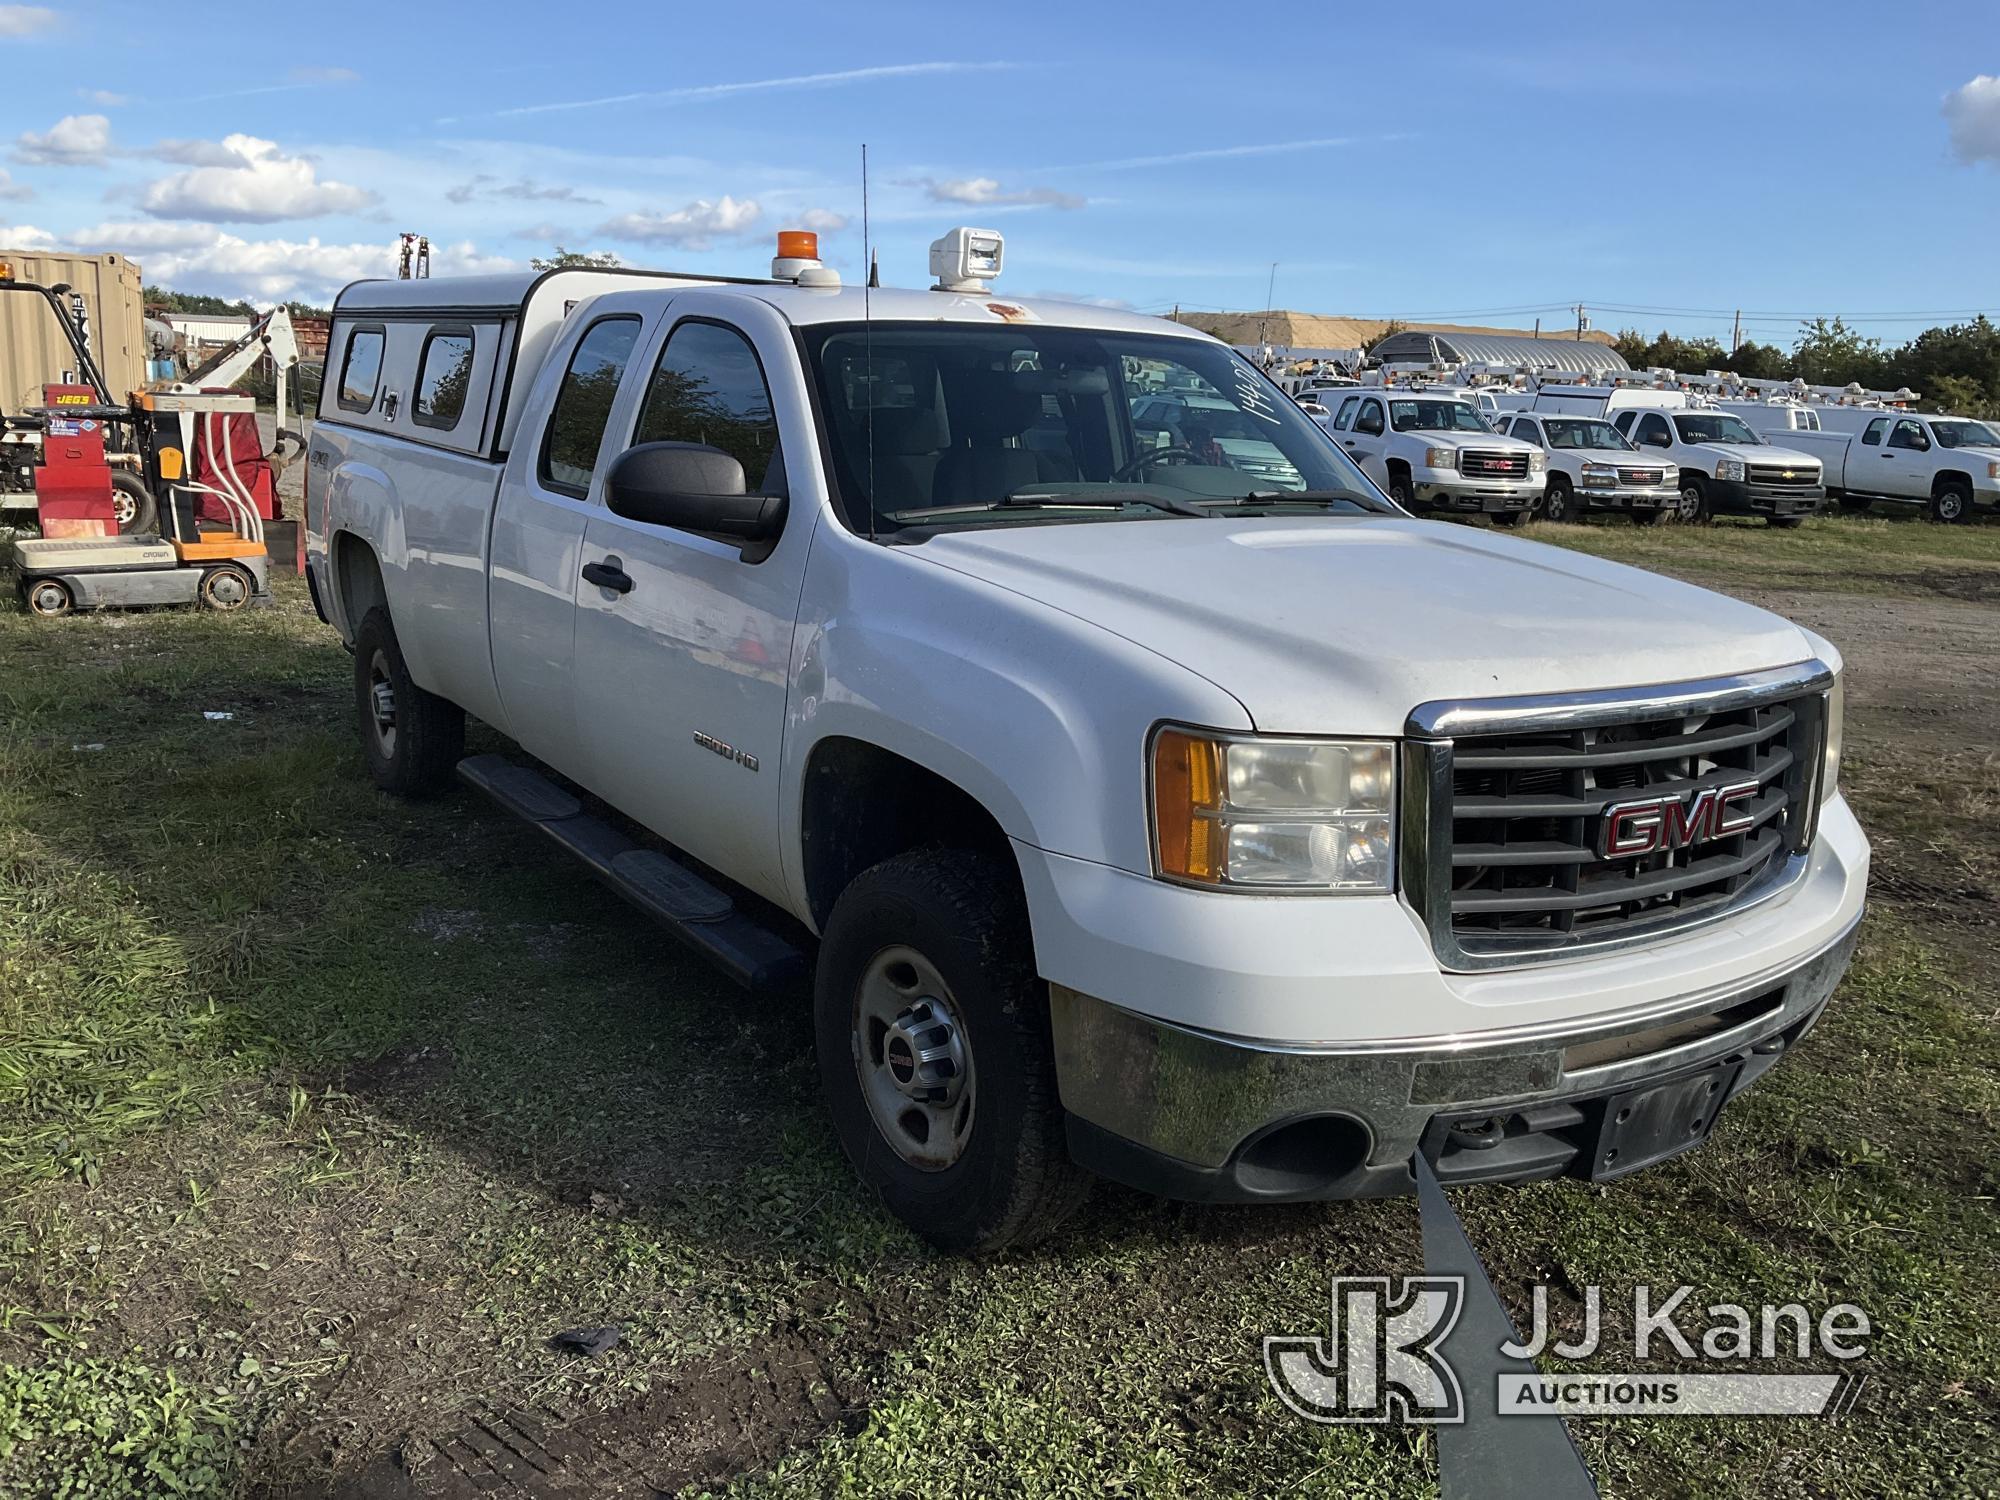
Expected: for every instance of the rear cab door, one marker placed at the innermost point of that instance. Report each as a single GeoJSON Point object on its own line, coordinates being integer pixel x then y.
{"type": "Point", "coordinates": [553, 480]}
{"type": "Point", "coordinates": [1367, 438]}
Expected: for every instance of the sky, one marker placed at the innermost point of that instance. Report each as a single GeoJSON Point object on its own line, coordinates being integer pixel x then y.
{"type": "Point", "coordinates": [1664, 166]}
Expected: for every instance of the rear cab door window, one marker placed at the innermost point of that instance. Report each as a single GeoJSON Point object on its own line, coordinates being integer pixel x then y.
{"type": "Point", "coordinates": [1872, 436]}
{"type": "Point", "coordinates": [361, 368]}
{"type": "Point", "coordinates": [582, 409]}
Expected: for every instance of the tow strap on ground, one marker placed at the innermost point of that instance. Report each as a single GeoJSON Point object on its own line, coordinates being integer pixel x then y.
{"type": "Point", "coordinates": [1489, 1456]}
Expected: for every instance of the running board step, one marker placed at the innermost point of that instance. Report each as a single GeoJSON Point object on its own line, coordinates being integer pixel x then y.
{"type": "Point", "coordinates": [698, 913]}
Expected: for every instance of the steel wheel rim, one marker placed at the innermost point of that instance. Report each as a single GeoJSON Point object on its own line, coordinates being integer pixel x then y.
{"type": "Point", "coordinates": [382, 702]}
{"type": "Point", "coordinates": [227, 589]}
{"type": "Point", "coordinates": [1690, 506]}
{"type": "Point", "coordinates": [48, 598]}
{"type": "Point", "coordinates": [1950, 506]}
{"type": "Point", "coordinates": [913, 1059]}
{"type": "Point", "coordinates": [124, 508]}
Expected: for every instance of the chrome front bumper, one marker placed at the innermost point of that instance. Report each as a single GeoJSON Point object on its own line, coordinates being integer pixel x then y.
{"type": "Point", "coordinates": [1200, 1115]}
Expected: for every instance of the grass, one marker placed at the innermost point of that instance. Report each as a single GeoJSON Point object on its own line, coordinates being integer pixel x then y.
{"type": "Point", "coordinates": [319, 1114]}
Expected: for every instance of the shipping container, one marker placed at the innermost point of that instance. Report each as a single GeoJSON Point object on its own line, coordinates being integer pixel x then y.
{"type": "Point", "coordinates": [33, 350]}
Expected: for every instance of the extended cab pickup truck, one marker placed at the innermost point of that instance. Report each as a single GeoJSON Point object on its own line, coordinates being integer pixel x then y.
{"type": "Point", "coordinates": [1948, 465]}
{"type": "Point", "coordinates": [1432, 451]}
{"type": "Point", "coordinates": [1236, 836]}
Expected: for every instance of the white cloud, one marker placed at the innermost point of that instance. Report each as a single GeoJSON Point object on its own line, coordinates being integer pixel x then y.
{"type": "Point", "coordinates": [132, 240]}
{"type": "Point", "coordinates": [73, 141]}
{"type": "Point", "coordinates": [520, 190]}
{"type": "Point", "coordinates": [26, 237]}
{"type": "Point", "coordinates": [26, 20]}
{"type": "Point", "coordinates": [1972, 112]}
{"type": "Point", "coordinates": [268, 271]}
{"type": "Point", "coordinates": [12, 191]}
{"type": "Point", "coordinates": [753, 85]}
{"type": "Point", "coordinates": [192, 153]}
{"type": "Point", "coordinates": [695, 227]}
{"type": "Point", "coordinates": [261, 185]}
{"type": "Point", "coordinates": [985, 191]}
{"type": "Point", "coordinates": [822, 221]}
{"type": "Point", "coordinates": [103, 98]}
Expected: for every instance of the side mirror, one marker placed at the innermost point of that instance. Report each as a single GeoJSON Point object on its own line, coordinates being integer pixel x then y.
{"type": "Point", "coordinates": [690, 487]}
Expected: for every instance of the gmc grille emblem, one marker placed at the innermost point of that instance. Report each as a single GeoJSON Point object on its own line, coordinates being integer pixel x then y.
{"type": "Point", "coordinates": [1648, 825]}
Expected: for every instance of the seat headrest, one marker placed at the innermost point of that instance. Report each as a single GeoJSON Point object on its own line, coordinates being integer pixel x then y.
{"type": "Point", "coordinates": [992, 407]}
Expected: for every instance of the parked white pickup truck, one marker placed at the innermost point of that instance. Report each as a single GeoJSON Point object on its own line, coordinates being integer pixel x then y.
{"type": "Point", "coordinates": [1593, 467]}
{"type": "Point", "coordinates": [1948, 465]}
{"type": "Point", "coordinates": [1433, 451]}
{"type": "Point", "coordinates": [1236, 836]}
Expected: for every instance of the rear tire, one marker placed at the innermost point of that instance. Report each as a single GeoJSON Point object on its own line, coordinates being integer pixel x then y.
{"type": "Point", "coordinates": [411, 739]}
{"type": "Point", "coordinates": [133, 505]}
{"type": "Point", "coordinates": [226, 588]}
{"type": "Point", "coordinates": [927, 964]}
{"type": "Point", "coordinates": [1951, 504]}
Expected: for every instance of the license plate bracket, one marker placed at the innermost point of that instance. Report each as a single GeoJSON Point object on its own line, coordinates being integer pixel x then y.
{"type": "Point", "coordinates": [1642, 1127]}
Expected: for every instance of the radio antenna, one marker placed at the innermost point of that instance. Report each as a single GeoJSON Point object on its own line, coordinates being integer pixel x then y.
{"type": "Point", "coordinates": [868, 342]}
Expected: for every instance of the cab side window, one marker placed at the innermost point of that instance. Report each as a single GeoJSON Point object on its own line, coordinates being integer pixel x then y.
{"type": "Point", "coordinates": [1346, 413]}
{"type": "Point", "coordinates": [1623, 422]}
{"type": "Point", "coordinates": [1908, 434]}
{"type": "Point", "coordinates": [1653, 431]}
{"type": "Point", "coordinates": [1873, 436]}
{"type": "Point", "coordinates": [361, 370]}
{"type": "Point", "coordinates": [1370, 419]}
{"type": "Point", "coordinates": [583, 405]}
{"type": "Point", "coordinates": [1526, 431]}
{"type": "Point", "coordinates": [709, 388]}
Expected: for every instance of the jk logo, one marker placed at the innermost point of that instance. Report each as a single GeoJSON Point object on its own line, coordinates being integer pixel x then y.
{"type": "Point", "coordinates": [1380, 1358]}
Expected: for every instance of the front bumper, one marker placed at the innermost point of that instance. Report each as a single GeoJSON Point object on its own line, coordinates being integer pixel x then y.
{"type": "Point", "coordinates": [1764, 499]}
{"type": "Point", "coordinates": [1623, 498]}
{"type": "Point", "coordinates": [1443, 489]}
{"type": "Point", "coordinates": [1204, 1116]}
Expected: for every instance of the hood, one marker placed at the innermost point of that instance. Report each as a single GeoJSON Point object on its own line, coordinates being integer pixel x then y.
{"type": "Point", "coordinates": [1342, 625]}
{"type": "Point", "coordinates": [1455, 439]}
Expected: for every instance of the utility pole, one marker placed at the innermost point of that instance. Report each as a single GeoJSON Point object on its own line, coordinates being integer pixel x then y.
{"type": "Point", "coordinates": [1177, 312]}
{"type": "Point", "coordinates": [1538, 325]}
{"type": "Point", "coordinates": [1581, 322]}
{"type": "Point", "coordinates": [1736, 334]}
{"type": "Point", "coordinates": [1270, 289]}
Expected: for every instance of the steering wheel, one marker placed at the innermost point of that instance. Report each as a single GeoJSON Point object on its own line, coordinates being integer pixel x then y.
{"type": "Point", "coordinates": [1179, 451]}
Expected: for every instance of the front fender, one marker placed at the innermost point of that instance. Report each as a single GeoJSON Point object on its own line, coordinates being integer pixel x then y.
{"type": "Point", "coordinates": [1039, 716]}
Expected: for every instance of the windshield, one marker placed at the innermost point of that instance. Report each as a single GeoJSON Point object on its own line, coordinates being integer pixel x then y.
{"type": "Point", "coordinates": [1714, 427]}
{"type": "Point", "coordinates": [1582, 432]}
{"type": "Point", "coordinates": [1958, 433]}
{"type": "Point", "coordinates": [1435, 416]}
{"type": "Point", "coordinates": [950, 424]}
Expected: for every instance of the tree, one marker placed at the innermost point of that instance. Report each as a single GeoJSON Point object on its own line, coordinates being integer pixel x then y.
{"type": "Point", "coordinates": [193, 302]}
{"type": "Point", "coordinates": [1755, 361]}
{"type": "Point", "coordinates": [1834, 354]}
{"type": "Point", "coordinates": [564, 260]}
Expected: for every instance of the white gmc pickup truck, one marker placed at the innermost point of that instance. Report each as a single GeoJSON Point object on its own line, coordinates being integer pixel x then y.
{"type": "Point", "coordinates": [1231, 834]}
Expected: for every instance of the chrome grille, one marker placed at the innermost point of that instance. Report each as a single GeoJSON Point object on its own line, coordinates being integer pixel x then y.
{"type": "Point", "coordinates": [1640, 476]}
{"type": "Point", "coordinates": [1803, 476]}
{"type": "Point", "coordinates": [1484, 465]}
{"type": "Point", "coordinates": [1506, 802]}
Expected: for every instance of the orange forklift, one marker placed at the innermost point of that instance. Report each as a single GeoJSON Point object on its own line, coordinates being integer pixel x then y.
{"type": "Point", "coordinates": [147, 531]}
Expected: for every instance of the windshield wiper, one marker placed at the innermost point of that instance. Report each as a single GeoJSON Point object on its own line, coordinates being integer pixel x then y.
{"type": "Point", "coordinates": [1306, 497]}
{"type": "Point", "coordinates": [1104, 499]}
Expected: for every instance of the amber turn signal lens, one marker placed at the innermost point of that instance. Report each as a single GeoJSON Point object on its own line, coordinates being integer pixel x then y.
{"type": "Point", "coordinates": [1187, 793]}
{"type": "Point", "coordinates": [170, 463]}
{"type": "Point", "coordinates": [798, 244]}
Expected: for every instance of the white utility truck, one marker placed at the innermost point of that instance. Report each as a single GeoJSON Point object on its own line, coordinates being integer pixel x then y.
{"type": "Point", "coordinates": [1234, 835]}
{"type": "Point", "coordinates": [1432, 451]}
{"type": "Point", "coordinates": [1725, 468]}
{"type": "Point", "coordinates": [1948, 465]}
{"type": "Point", "coordinates": [1594, 467]}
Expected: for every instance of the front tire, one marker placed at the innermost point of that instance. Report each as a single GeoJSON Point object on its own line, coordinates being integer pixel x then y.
{"type": "Point", "coordinates": [227, 588]}
{"type": "Point", "coordinates": [1951, 504]}
{"type": "Point", "coordinates": [411, 739]}
{"type": "Point", "coordinates": [48, 598]}
{"type": "Point", "coordinates": [1559, 503]}
{"type": "Point", "coordinates": [1402, 490]}
{"type": "Point", "coordinates": [935, 1053]}
{"type": "Point", "coordinates": [1693, 507]}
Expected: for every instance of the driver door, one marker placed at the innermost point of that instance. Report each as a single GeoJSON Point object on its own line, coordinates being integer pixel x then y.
{"type": "Point", "coordinates": [683, 660]}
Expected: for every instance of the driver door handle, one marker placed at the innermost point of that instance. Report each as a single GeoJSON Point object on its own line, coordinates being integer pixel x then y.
{"type": "Point", "coordinates": [608, 575]}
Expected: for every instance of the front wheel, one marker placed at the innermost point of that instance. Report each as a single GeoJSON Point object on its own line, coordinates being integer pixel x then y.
{"type": "Point", "coordinates": [1951, 504]}
{"type": "Point", "coordinates": [48, 597]}
{"type": "Point", "coordinates": [1693, 507]}
{"type": "Point", "coordinates": [227, 588]}
{"type": "Point", "coordinates": [1401, 490]}
{"type": "Point", "coordinates": [413, 740]}
{"type": "Point", "coordinates": [1559, 503]}
{"type": "Point", "coordinates": [935, 1053]}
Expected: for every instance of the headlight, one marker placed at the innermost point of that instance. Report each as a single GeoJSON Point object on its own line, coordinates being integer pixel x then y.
{"type": "Point", "coordinates": [1538, 462]}
{"type": "Point", "coordinates": [1836, 715]}
{"type": "Point", "coordinates": [1602, 476]}
{"type": "Point", "coordinates": [1300, 815]}
{"type": "Point", "coordinates": [1729, 468]}
{"type": "Point", "coordinates": [1670, 477]}
{"type": "Point", "coordinates": [1441, 458]}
